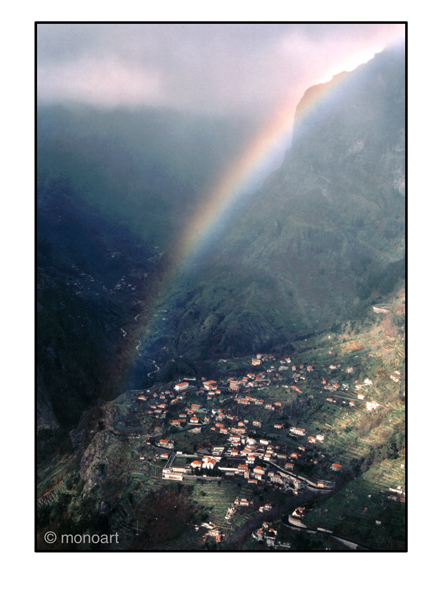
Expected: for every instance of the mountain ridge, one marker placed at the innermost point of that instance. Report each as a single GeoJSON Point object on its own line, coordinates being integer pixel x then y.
{"type": "Point", "coordinates": [327, 223]}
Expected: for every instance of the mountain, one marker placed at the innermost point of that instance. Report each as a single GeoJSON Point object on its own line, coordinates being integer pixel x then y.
{"type": "Point", "coordinates": [318, 243]}
{"type": "Point", "coordinates": [148, 169]}
{"type": "Point", "coordinates": [324, 237]}
{"type": "Point", "coordinates": [113, 189]}
{"type": "Point", "coordinates": [309, 273]}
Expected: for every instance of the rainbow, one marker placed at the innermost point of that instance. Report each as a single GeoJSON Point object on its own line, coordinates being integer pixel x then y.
{"type": "Point", "coordinates": [229, 188]}
{"type": "Point", "coordinates": [233, 182]}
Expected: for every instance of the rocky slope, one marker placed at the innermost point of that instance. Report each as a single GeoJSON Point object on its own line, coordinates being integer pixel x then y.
{"type": "Point", "coordinates": [324, 235]}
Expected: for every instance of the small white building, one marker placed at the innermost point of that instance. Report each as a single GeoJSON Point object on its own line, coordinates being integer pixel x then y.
{"type": "Point", "coordinates": [179, 387]}
{"type": "Point", "coordinates": [297, 431]}
{"type": "Point", "coordinates": [372, 405]}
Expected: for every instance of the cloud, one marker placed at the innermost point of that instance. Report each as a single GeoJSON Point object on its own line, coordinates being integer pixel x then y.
{"type": "Point", "coordinates": [214, 68]}
{"type": "Point", "coordinates": [106, 81]}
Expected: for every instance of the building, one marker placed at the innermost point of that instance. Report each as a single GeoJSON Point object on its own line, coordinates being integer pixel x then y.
{"type": "Point", "coordinates": [243, 470]}
{"type": "Point", "coordinates": [179, 387]}
{"type": "Point", "coordinates": [297, 516]}
{"type": "Point", "coordinates": [166, 443]}
{"type": "Point", "coordinates": [372, 405]}
{"type": "Point", "coordinates": [297, 431]}
{"type": "Point", "coordinates": [276, 478]}
{"type": "Point", "coordinates": [209, 462]}
{"type": "Point", "coordinates": [336, 467]}
{"type": "Point", "coordinates": [210, 385]}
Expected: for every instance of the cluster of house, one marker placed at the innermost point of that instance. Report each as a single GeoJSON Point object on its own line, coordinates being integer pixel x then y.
{"type": "Point", "coordinates": [266, 533]}
{"type": "Point", "coordinates": [255, 453]}
{"type": "Point", "coordinates": [207, 462]}
{"type": "Point", "coordinates": [212, 532]}
{"type": "Point", "coordinates": [271, 374]}
{"type": "Point", "coordinates": [237, 426]}
{"type": "Point", "coordinates": [193, 415]}
{"type": "Point", "coordinates": [242, 502]}
{"type": "Point", "coordinates": [251, 380]}
{"type": "Point", "coordinates": [396, 494]}
{"type": "Point", "coordinates": [249, 401]}
{"type": "Point", "coordinates": [298, 432]}
{"type": "Point", "coordinates": [249, 451]}
{"type": "Point", "coordinates": [256, 459]}
{"type": "Point", "coordinates": [160, 402]}
{"type": "Point", "coordinates": [241, 445]}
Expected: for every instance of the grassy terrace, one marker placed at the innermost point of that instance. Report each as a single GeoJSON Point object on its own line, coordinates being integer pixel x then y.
{"type": "Point", "coordinates": [362, 512]}
{"type": "Point", "coordinates": [52, 476]}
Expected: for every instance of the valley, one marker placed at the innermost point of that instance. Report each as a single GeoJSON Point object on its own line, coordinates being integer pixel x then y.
{"type": "Point", "coordinates": [216, 369]}
{"type": "Point", "coordinates": [321, 428]}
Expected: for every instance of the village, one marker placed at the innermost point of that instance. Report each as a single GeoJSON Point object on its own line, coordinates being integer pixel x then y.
{"type": "Point", "coordinates": [270, 425]}
{"type": "Point", "coordinates": [277, 451]}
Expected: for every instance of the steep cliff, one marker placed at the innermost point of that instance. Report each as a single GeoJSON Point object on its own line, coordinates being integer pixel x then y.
{"type": "Point", "coordinates": [325, 234]}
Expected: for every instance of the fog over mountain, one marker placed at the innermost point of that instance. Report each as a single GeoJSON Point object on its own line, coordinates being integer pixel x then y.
{"type": "Point", "coordinates": [230, 69]}
{"type": "Point", "coordinates": [214, 68]}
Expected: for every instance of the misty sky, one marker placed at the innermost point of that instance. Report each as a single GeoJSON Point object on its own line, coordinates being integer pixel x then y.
{"type": "Point", "coordinates": [214, 68]}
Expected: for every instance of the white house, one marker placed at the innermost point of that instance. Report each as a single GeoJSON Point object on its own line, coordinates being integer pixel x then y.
{"type": "Point", "coordinates": [179, 387]}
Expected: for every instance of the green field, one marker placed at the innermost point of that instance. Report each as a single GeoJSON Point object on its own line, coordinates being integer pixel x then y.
{"type": "Point", "coordinates": [361, 511]}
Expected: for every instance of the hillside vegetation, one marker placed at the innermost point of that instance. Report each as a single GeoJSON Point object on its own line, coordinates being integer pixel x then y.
{"type": "Point", "coordinates": [323, 238]}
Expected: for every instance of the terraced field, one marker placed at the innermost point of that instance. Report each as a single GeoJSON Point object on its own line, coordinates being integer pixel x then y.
{"type": "Point", "coordinates": [363, 512]}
